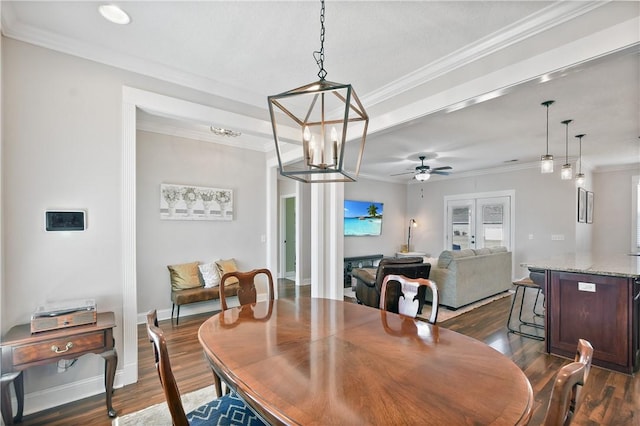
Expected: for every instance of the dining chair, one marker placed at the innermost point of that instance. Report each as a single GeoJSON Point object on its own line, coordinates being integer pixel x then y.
{"type": "Point", "coordinates": [247, 287]}
{"type": "Point", "coordinates": [566, 392]}
{"type": "Point", "coordinates": [408, 303]}
{"type": "Point", "coordinates": [227, 409]}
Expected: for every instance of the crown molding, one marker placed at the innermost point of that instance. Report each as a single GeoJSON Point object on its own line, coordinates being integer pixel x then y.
{"type": "Point", "coordinates": [15, 29]}
{"type": "Point", "coordinates": [548, 17]}
{"type": "Point", "coordinates": [618, 168]}
{"type": "Point", "coordinates": [241, 142]}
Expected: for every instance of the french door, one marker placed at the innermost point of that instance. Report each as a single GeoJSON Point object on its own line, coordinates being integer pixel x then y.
{"type": "Point", "coordinates": [478, 221]}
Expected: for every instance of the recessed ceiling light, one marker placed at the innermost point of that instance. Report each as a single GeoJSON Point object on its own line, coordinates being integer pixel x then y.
{"type": "Point", "coordinates": [114, 14]}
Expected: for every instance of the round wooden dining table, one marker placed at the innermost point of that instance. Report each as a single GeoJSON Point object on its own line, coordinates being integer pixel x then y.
{"type": "Point", "coordinates": [311, 361]}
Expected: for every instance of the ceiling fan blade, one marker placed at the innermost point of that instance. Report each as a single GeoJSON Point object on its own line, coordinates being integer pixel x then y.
{"type": "Point", "coordinates": [405, 173]}
{"type": "Point", "coordinates": [438, 172]}
{"type": "Point", "coordinates": [443, 168]}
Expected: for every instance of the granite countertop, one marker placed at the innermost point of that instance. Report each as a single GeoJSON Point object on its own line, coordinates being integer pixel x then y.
{"type": "Point", "coordinates": [617, 265]}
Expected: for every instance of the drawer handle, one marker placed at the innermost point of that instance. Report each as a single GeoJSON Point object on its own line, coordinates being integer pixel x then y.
{"type": "Point", "coordinates": [59, 351]}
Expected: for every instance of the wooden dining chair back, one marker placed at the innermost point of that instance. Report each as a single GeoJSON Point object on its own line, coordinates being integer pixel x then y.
{"type": "Point", "coordinates": [227, 409]}
{"type": "Point", "coordinates": [408, 303]}
{"type": "Point", "coordinates": [163, 365]}
{"type": "Point", "coordinates": [566, 392]}
{"type": "Point", "coordinates": [247, 286]}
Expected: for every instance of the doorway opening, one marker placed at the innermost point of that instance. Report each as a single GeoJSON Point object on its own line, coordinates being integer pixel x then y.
{"type": "Point", "coordinates": [288, 240]}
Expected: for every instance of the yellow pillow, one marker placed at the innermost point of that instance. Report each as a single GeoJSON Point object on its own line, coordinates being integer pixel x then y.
{"type": "Point", "coordinates": [228, 265]}
{"type": "Point", "coordinates": [184, 276]}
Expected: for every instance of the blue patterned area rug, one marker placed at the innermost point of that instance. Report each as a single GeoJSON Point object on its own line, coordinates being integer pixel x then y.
{"type": "Point", "coordinates": [158, 415]}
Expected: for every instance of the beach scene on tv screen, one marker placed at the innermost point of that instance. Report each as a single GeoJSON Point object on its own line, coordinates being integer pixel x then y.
{"type": "Point", "coordinates": [362, 218]}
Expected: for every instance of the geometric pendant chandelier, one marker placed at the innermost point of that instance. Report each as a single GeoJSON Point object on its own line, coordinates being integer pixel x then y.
{"type": "Point", "coordinates": [326, 121]}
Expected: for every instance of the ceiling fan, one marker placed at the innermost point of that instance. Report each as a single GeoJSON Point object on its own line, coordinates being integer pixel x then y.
{"type": "Point", "coordinates": [424, 172]}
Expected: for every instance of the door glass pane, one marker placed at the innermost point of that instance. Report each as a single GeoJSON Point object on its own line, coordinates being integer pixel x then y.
{"type": "Point", "coordinates": [492, 225]}
{"type": "Point", "coordinates": [461, 228]}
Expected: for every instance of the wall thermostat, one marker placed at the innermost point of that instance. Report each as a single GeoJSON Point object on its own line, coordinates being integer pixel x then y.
{"type": "Point", "coordinates": [65, 220]}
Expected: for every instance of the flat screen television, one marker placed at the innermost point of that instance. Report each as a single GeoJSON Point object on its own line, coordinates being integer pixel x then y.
{"type": "Point", "coordinates": [362, 218]}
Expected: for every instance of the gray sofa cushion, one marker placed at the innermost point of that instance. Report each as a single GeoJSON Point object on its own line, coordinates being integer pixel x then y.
{"type": "Point", "coordinates": [448, 255]}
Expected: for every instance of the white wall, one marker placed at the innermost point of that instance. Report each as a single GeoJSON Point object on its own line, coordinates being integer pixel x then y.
{"type": "Point", "coordinates": [395, 221]}
{"type": "Point", "coordinates": [544, 205]}
{"type": "Point", "coordinates": [170, 159]}
{"type": "Point", "coordinates": [61, 148]}
{"type": "Point", "coordinates": [612, 210]}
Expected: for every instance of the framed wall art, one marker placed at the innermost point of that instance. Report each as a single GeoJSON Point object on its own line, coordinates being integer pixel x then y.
{"type": "Point", "coordinates": [582, 205]}
{"type": "Point", "coordinates": [188, 202]}
{"type": "Point", "coordinates": [589, 207]}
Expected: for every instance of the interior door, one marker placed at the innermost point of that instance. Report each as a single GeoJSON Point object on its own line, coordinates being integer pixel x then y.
{"type": "Point", "coordinates": [290, 238]}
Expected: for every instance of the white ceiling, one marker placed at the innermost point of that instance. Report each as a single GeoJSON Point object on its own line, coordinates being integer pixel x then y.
{"type": "Point", "coordinates": [460, 82]}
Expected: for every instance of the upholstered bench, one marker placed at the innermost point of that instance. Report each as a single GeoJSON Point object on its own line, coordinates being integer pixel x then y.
{"type": "Point", "coordinates": [198, 294]}
{"type": "Point", "coordinates": [198, 282]}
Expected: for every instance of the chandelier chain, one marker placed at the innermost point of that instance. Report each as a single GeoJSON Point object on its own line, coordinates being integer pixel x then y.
{"type": "Point", "coordinates": [318, 55]}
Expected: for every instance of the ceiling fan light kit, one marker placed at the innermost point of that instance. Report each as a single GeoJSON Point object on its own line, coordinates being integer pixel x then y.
{"type": "Point", "coordinates": [546, 161]}
{"type": "Point", "coordinates": [423, 172]}
{"type": "Point", "coordinates": [422, 176]}
{"type": "Point", "coordinates": [320, 117]}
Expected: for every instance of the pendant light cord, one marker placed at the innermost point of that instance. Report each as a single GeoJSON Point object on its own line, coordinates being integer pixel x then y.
{"type": "Point", "coordinates": [318, 55]}
{"type": "Point", "coordinates": [547, 104]}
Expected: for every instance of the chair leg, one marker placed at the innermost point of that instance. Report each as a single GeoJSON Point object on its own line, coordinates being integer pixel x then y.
{"type": "Point", "coordinates": [522, 322]}
{"type": "Point", "coordinates": [173, 305]}
{"type": "Point", "coordinates": [531, 324]}
{"type": "Point", "coordinates": [538, 314]}
{"type": "Point", "coordinates": [178, 315]}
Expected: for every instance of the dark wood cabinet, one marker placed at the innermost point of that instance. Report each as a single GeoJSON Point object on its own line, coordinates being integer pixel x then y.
{"type": "Point", "coordinates": [600, 308]}
{"type": "Point", "coordinates": [20, 349]}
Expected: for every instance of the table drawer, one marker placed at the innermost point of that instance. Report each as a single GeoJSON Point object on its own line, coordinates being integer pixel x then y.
{"type": "Point", "coordinates": [60, 347]}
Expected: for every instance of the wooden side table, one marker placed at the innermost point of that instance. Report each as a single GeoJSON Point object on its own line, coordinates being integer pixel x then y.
{"type": "Point", "coordinates": [20, 350]}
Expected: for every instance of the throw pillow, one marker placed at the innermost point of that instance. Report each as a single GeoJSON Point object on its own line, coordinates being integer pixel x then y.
{"type": "Point", "coordinates": [184, 276]}
{"type": "Point", "coordinates": [228, 265]}
{"type": "Point", "coordinates": [210, 274]}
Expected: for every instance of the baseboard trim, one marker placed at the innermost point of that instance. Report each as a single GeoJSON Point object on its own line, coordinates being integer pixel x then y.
{"type": "Point", "coordinates": [64, 394]}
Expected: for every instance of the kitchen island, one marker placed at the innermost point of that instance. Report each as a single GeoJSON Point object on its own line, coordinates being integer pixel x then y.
{"type": "Point", "coordinates": [594, 297]}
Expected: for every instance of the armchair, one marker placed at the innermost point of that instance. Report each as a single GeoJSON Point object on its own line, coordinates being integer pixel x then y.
{"type": "Point", "coordinates": [368, 285]}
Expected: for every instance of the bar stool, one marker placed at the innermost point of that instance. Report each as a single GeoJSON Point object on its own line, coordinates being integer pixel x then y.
{"type": "Point", "coordinates": [522, 285]}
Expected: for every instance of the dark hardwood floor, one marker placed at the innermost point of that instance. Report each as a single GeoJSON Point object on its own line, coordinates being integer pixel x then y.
{"type": "Point", "coordinates": [610, 398]}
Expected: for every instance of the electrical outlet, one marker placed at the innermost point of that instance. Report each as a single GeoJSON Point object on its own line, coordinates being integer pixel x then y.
{"type": "Point", "coordinates": [531, 236]}
{"type": "Point", "coordinates": [590, 287]}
